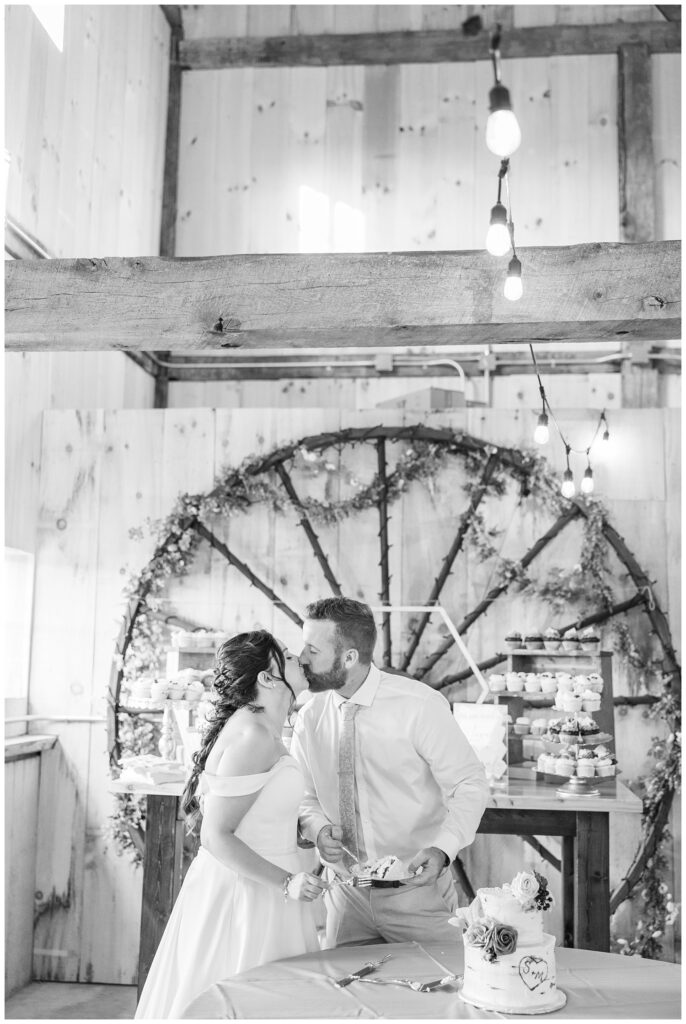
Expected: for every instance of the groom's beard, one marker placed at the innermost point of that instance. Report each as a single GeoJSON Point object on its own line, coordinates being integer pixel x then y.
{"type": "Point", "coordinates": [334, 679]}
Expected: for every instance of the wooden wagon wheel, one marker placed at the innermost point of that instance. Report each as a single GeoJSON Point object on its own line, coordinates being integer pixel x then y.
{"type": "Point", "coordinates": [487, 461]}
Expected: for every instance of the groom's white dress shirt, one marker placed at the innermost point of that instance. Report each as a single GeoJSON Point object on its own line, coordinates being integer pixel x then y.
{"type": "Point", "coordinates": [418, 781]}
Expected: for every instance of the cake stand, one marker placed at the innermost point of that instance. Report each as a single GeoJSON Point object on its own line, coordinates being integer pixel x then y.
{"type": "Point", "coordinates": [576, 786]}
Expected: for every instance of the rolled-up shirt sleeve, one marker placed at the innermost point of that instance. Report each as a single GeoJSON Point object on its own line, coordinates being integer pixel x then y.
{"type": "Point", "coordinates": [439, 740]}
{"type": "Point", "coordinates": [311, 817]}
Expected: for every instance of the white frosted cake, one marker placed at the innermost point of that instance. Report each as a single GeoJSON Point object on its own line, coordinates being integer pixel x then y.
{"type": "Point", "coordinates": [509, 961]}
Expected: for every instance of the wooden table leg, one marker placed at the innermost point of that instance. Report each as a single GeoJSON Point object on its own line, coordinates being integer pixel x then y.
{"type": "Point", "coordinates": [592, 886]}
{"type": "Point", "coordinates": [162, 873]}
{"type": "Point", "coordinates": [567, 885]}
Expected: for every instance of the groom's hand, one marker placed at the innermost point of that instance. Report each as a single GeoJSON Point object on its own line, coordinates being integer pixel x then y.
{"type": "Point", "coordinates": [427, 865]}
{"type": "Point", "coordinates": [329, 843]}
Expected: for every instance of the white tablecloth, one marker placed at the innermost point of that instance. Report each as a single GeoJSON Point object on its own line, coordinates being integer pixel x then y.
{"type": "Point", "coordinates": [598, 986]}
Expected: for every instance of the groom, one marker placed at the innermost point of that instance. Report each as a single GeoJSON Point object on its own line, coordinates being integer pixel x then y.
{"type": "Point", "coordinates": [387, 771]}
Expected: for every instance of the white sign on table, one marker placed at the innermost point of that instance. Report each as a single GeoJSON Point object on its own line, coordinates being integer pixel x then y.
{"type": "Point", "coordinates": [485, 726]}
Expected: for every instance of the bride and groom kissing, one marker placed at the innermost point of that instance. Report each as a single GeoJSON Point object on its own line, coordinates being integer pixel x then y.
{"type": "Point", "coordinates": [377, 766]}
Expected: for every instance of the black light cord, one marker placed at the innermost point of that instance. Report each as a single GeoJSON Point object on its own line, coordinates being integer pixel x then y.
{"type": "Point", "coordinates": [546, 406]}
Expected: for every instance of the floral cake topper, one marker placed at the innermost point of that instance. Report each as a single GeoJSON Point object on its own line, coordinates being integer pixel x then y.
{"type": "Point", "coordinates": [531, 890]}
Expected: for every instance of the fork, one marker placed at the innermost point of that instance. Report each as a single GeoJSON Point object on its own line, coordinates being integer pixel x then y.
{"type": "Point", "coordinates": [416, 986]}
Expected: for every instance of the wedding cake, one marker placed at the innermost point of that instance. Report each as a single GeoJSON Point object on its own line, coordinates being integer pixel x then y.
{"type": "Point", "coordinates": [509, 961]}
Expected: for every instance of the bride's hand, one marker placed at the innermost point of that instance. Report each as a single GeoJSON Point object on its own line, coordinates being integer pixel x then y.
{"type": "Point", "coordinates": [304, 886]}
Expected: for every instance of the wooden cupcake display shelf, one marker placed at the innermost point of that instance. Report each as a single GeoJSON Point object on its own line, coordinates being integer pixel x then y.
{"type": "Point", "coordinates": [539, 662]}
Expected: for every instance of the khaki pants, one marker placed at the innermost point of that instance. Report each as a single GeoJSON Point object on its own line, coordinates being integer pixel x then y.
{"type": "Point", "coordinates": [410, 912]}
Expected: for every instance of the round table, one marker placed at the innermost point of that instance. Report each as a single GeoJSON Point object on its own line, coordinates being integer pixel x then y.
{"type": "Point", "coordinates": [598, 986]}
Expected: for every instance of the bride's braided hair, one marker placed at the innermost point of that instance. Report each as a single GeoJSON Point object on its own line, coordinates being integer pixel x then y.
{"type": "Point", "coordinates": [237, 666]}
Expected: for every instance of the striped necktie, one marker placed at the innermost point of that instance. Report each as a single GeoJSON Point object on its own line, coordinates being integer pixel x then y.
{"type": "Point", "coordinates": [346, 782]}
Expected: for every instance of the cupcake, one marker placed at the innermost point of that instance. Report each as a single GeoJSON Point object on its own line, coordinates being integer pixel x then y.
{"type": "Point", "coordinates": [496, 682]}
{"type": "Point", "coordinates": [539, 727]}
{"type": "Point", "coordinates": [513, 682]}
{"type": "Point", "coordinates": [554, 727]}
{"type": "Point", "coordinates": [159, 690]}
{"type": "Point", "coordinates": [548, 683]}
{"type": "Point", "coordinates": [595, 682]}
{"type": "Point", "coordinates": [141, 689]}
{"type": "Point", "coordinates": [601, 751]}
{"type": "Point", "coordinates": [532, 684]}
{"type": "Point", "coordinates": [542, 763]}
{"type": "Point", "coordinates": [590, 641]}
{"type": "Point", "coordinates": [570, 641]}
{"type": "Point", "coordinates": [564, 682]}
{"type": "Point", "coordinates": [571, 703]}
{"type": "Point", "coordinates": [522, 726]}
{"type": "Point", "coordinates": [569, 733]}
{"type": "Point", "coordinates": [533, 641]}
{"type": "Point", "coordinates": [587, 726]}
{"type": "Point", "coordinates": [177, 688]}
{"type": "Point", "coordinates": [551, 639]}
{"type": "Point", "coordinates": [579, 683]}
{"type": "Point", "coordinates": [605, 767]}
{"type": "Point", "coordinates": [566, 765]}
{"type": "Point", "coordinates": [514, 640]}
{"type": "Point", "coordinates": [585, 764]}
{"type": "Point", "coordinates": [194, 692]}
{"type": "Point", "coordinates": [590, 701]}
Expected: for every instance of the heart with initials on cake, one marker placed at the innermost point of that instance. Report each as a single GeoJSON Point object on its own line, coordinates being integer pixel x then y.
{"type": "Point", "coordinates": [533, 971]}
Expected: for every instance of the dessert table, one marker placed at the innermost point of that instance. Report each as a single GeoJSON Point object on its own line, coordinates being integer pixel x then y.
{"type": "Point", "coordinates": [598, 986]}
{"type": "Point", "coordinates": [521, 807]}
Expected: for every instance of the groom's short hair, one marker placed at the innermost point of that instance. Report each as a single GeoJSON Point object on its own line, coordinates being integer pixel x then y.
{"type": "Point", "coordinates": [355, 626]}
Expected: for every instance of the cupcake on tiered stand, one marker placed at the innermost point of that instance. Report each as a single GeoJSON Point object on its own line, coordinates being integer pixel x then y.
{"type": "Point", "coordinates": [575, 750]}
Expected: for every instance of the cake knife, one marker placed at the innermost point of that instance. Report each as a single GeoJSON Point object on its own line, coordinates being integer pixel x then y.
{"type": "Point", "coordinates": [367, 968]}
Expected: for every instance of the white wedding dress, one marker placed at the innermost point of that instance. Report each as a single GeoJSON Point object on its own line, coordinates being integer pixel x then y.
{"type": "Point", "coordinates": [223, 923]}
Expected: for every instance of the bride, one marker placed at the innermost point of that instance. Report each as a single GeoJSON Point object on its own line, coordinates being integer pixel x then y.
{"type": "Point", "coordinates": [245, 900]}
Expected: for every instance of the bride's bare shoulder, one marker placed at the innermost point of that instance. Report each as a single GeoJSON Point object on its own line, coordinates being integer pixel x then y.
{"type": "Point", "coordinates": [244, 747]}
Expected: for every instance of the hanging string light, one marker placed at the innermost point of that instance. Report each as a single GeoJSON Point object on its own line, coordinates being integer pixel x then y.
{"type": "Point", "coordinates": [503, 138]}
{"type": "Point", "coordinates": [503, 134]}
{"type": "Point", "coordinates": [541, 435]}
{"type": "Point", "coordinates": [567, 488]}
{"type": "Point", "coordinates": [513, 281]}
{"type": "Point", "coordinates": [606, 432]}
{"type": "Point", "coordinates": [498, 238]}
{"type": "Point", "coordinates": [587, 481]}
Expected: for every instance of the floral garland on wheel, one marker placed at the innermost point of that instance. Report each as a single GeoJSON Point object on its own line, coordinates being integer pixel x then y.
{"type": "Point", "coordinates": [586, 585]}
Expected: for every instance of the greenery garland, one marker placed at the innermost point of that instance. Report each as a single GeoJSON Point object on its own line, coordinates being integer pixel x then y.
{"type": "Point", "coordinates": [585, 585]}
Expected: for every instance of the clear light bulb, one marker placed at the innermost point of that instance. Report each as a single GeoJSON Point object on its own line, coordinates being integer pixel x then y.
{"type": "Point", "coordinates": [568, 489]}
{"type": "Point", "coordinates": [587, 482]}
{"type": "Point", "coordinates": [513, 282]}
{"type": "Point", "coordinates": [498, 239]}
{"type": "Point", "coordinates": [503, 134]}
{"type": "Point", "coordinates": [513, 288]}
{"type": "Point", "coordinates": [541, 433]}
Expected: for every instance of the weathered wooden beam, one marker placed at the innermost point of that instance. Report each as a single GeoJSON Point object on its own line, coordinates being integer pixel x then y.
{"type": "Point", "coordinates": [635, 144]}
{"type": "Point", "coordinates": [447, 46]}
{"type": "Point", "coordinates": [672, 12]}
{"type": "Point", "coordinates": [170, 178]}
{"type": "Point", "coordinates": [145, 362]}
{"type": "Point", "coordinates": [172, 13]}
{"type": "Point", "coordinates": [590, 292]}
{"type": "Point", "coordinates": [20, 244]}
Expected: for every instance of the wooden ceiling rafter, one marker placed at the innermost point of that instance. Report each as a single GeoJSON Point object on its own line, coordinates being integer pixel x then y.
{"type": "Point", "coordinates": [447, 46]}
{"type": "Point", "coordinates": [592, 292]}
